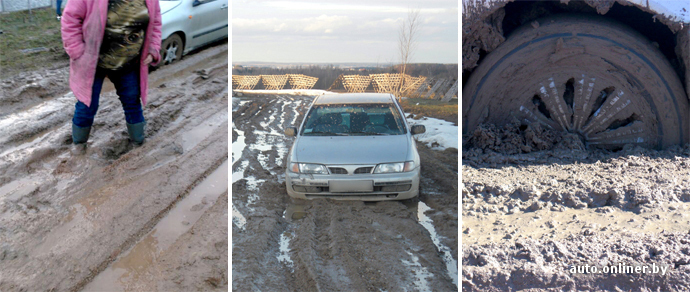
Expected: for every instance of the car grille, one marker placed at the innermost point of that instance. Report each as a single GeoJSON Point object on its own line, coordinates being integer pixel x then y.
{"type": "Point", "coordinates": [337, 170]}
{"type": "Point", "coordinates": [362, 170]}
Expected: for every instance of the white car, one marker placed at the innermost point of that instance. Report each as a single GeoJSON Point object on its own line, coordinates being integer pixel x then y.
{"type": "Point", "coordinates": [190, 24]}
{"type": "Point", "coordinates": [355, 146]}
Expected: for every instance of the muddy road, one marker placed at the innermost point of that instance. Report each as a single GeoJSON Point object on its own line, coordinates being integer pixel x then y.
{"type": "Point", "coordinates": [117, 217]}
{"type": "Point", "coordinates": [282, 244]}
{"type": "Point", "coordinates": [529, 218]}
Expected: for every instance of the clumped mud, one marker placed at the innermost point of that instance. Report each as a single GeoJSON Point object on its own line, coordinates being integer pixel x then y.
{"type": "Point", "coordinates": [545, 264]}
{"type": "Point", "coordinates": [31, 88]}
{"type": "Point", "coordinates": [65, 216]}
{"type": "Point", "coordinates": [529, 217]}
{"type": "Point", "coordinates": [325, 245]}
{"type": "Point", "coordinates": [515, 138]}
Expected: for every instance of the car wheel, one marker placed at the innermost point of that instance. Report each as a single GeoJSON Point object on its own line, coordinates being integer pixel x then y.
{"type": "Point", "coordinates": [171, 50]}
{"type": "Point", "coordinates": [579, 74]}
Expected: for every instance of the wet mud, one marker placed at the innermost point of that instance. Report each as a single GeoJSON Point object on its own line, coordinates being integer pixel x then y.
{"type": "Point", "coordinates": [321, 245]}
{"type": "Point", "coordinates": [30, 88]}
{"type": "Point", "coordinates": [538, 202]}
{"type": "Point", "coordinates": [66, 216]}
{"type": "Point", "coordinates": [529, 217]}
{"type": "Point", "coordinates": [139, 268]}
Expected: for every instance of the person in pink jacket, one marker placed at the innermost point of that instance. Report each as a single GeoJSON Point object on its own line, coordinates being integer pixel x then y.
{"type": "Point", "coordinates": [117, 39]}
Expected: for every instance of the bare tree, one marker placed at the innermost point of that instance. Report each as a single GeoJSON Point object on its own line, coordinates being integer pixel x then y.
{"type": "Point", "coordinates": [407, 42]}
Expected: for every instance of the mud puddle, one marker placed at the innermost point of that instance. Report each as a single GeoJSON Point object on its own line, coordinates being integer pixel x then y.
{"type": "Point", "coordinates": [553, 225]}
{"type": "Point", "coordinates": [531, 215]}
{"type": "Point", "coordinates": [132, 266]}
{"type": "Point", "coordinates": [192, 137]}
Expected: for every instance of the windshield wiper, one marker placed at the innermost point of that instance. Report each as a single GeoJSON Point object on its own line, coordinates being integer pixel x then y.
{"type": "Point", "coordinates": [370, 133]}
{"type": "Point", "coordinates": [326, 133]}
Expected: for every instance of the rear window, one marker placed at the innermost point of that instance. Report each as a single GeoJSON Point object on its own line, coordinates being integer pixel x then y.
{"type": "Point", "coordinates": [353, 119]}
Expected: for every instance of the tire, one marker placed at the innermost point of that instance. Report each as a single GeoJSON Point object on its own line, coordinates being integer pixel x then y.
{"type": "Point", "coordinates": [580, 74]}
{"type": "Point", "coordinates": [171, 50]}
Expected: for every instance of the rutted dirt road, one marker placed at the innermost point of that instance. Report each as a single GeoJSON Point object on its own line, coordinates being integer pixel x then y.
{"type": "Point", "coordinates": [323, 245]}
{"type": "Point", "coordinates": [118, 217]}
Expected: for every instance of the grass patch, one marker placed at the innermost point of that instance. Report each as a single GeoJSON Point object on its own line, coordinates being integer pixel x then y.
{"type": "Point", "coordinates": [432, 108]}
{"type": "Point", "coordinates": [36, 30]}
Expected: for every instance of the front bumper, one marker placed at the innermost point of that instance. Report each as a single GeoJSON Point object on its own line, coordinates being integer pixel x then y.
{"type": "Point", "coordinates": [362, 187]}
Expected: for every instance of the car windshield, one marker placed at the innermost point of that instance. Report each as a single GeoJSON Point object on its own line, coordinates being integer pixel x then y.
{"type": "Point", "coordinates": [353, 119]}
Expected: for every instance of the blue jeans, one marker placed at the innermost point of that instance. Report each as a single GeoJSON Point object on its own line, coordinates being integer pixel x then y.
{"type": "Point", "coordinates": [59, 7]}
{"type": "Point", "coordinates": [126, 83]}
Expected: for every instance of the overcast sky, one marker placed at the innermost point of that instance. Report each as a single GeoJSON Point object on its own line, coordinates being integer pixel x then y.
{"type": "Point", "coordinates": [321, 31]}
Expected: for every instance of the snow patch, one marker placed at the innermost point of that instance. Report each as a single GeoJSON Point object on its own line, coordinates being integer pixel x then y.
{"type": "Point", "coordinates": [237, 218]}
{"type": "Point", "coordinates": [237, 103]}
{"type": "Point", "coordinates": [440, 132]}
{"type": "Point", "coordinates": [294, 109]}
{"type": "Point", "coordinates": [284, 255]}
{"type": "Point", "coordinates": [238, 146]}
{"type": "Point", "coordinates": [420, 273]}
{"type": "Point", "coordinates": [253, 185]}
{"type": "Point", "coordinates": [428, 224]}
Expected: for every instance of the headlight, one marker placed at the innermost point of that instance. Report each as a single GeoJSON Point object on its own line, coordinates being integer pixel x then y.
{"type": "Point", "coordinates": [308, 168]}
{"type": "Point", "coordinates": [394, 167]}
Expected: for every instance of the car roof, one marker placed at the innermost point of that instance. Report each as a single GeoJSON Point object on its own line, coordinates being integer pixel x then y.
{"type": "Point", "coordinates": [354, 98]}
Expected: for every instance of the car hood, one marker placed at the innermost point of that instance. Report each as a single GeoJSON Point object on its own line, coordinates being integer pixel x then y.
{"type": "Point", "coordinates": [168, 5]}
{"type": "Point", "coordinates": [351, 149]}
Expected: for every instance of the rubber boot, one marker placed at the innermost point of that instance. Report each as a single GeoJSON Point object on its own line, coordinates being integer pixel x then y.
{"type": "Point", "coordinates": [136, 132]}
{"type": "Point", "coordinates": [80, 135]}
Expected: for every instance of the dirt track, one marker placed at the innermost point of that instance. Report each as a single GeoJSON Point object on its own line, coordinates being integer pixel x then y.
{"type": "Point", "coordinates": [325, 245]}
{"type": "Point", "coordinates": [138, 218]}
{"type": "Point", "coordinates": [529, 218]}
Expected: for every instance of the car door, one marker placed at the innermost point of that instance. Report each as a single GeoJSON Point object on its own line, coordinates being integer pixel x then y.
{"type": "Point", "coordinates": [209, 21]}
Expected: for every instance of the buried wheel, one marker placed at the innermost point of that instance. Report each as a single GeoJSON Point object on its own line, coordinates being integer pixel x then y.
{"type": "Point", "coordinates": [584, 75]}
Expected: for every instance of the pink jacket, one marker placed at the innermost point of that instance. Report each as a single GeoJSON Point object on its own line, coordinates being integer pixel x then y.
{"type": "Point", "coordinates": [83, 27]}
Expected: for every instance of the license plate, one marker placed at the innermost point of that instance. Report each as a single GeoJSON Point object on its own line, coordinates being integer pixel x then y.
{"type": "Point", "coordinates": [353, 186]}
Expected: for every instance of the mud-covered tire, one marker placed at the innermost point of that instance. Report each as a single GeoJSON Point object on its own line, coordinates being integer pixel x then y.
{"type": "Point", "coordinates": [171, 50]}
{"type": "Point", "coordinates": [582, 74]}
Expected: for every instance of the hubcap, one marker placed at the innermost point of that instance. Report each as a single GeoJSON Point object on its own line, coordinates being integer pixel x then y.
{"type": "Point", "coordinates": [603, 116]}
{"type": "Point", "coordinates": [171, 53]}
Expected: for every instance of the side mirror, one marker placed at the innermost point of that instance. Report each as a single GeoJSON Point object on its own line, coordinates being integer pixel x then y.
{"type": "Point", "coordinates": [418, 129]}
{"type": "Point", "coordinates": [291, 131]}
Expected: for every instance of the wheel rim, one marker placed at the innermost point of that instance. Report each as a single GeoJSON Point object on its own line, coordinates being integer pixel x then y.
{"type": "Point", "coordinates": [602, 112]}
{"type": "Point", "coordinates": [171, 53]}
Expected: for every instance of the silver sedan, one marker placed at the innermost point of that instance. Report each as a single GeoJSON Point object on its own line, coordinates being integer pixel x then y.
{"type": "Point", "coordinates": [354, 146]}
{"type": "Point", "coordinates": [190, 24]}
